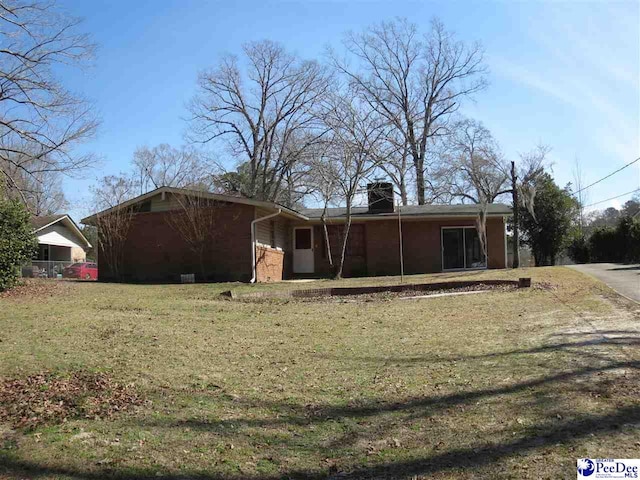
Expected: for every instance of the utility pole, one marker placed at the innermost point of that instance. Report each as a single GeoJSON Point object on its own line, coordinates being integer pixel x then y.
{"type": "Point", "coordinates": [400, 243]}
{"type": "Point", "coordinates": [516, 217]}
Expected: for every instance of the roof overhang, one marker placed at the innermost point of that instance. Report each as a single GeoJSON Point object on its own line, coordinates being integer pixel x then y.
{"type": "Point", "coordinates": [69, 223]}
{"type": "Point", "coordinates": [91, 220]}
{"type": "Point", "coordinates": [370, 218]}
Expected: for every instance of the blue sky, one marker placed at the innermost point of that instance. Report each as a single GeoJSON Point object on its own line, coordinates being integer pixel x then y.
{"type": "Point", "coordinates": [563, 73]}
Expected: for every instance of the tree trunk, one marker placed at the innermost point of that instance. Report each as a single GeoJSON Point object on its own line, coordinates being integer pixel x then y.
{"type": "Point", "coordinates": [481, 227]}
{"type": "Point", "coordinates": [516, 217]}
{"type": "Point", "coordinates": [403, 191]}
{"type": "Point", "coordinates": [326, 238]}
{"type": "Point", "coordinates": [419, 182]}
{"type": "Point", "coordinates": [345, 239]}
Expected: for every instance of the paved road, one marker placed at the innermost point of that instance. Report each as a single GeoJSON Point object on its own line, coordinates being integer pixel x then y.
{"type": "Point", "coordinates": [624, 279]}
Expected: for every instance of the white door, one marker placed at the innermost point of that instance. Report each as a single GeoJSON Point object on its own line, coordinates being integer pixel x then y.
{"type": "Point", "coordinates": [303, 250]}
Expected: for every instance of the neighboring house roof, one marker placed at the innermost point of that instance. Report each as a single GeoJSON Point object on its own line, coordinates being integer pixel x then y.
{"type": "Point", "coordinates": [41, 222]}
{"type": "Point", "coordinates": [419, 211]}
{"type": "Point", "coordinates": [183, 191]}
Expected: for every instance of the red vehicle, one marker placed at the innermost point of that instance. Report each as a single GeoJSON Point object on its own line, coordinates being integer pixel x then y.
{"type": "Point", "coordinates": [85, 271]}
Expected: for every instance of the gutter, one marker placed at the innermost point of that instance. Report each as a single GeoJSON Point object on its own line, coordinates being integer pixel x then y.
{"type": "Point", "coordinates": [405, 217]}
{"type": "Point", "coordinates": [253, 242]}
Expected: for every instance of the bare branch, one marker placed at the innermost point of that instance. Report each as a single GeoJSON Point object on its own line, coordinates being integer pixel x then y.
{"type": "Point", "coordinates": [268, 116]}
{"type": "Point", "coordinates": [40, 121]}
{"type": "Point", "coordinates": [415, 83]}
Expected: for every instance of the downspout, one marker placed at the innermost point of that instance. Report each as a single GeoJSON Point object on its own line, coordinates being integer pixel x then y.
{"type": "Point", "coordinates": [253, 242]}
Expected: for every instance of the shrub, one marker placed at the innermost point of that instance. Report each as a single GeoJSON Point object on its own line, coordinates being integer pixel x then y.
{"type": "Point", "coordinates": [628, 232]}
{"type": "Point", "coordinates": [547, 230]}
{"type": "Point", "coordinates": [619, 244]}
{"type": "Point", "coordinates": [17, 242]}
{"type": "Point", "coordinates": [578, 249]}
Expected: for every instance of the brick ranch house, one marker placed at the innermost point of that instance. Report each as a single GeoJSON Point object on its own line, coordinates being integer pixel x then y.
{"type": "Point", "coordinates": [263, 241]}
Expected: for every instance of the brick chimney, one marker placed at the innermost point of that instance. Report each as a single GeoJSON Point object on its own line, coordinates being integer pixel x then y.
{"type": "Point", "coordinates": [380, 197]}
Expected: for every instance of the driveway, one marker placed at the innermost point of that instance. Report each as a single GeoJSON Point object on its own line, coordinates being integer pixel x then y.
{"type": "Point", "coordinates": [623, 278]}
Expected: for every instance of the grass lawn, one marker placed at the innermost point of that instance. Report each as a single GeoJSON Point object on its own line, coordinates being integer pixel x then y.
{"type": "Point", "coordinates": [515, 384]}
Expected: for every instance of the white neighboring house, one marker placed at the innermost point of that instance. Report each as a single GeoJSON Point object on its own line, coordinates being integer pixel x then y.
{"type": "Point", "coordinates": [60, 243]}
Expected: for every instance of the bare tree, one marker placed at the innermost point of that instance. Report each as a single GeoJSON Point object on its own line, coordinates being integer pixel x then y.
{"type": "Point", "coordinates": [414, 82]}
{"type": "Point", "coordinates": [394, 159]}
{"type": "Point", "coordinates": [47, 195]}
{"type": "Point", "coordinates": [355, 133]}
{"type": "Point", "coordinates": [476, 169]}
{"type": "Point", "coordinates": [113, 190]}
{"type": "Point", "coordinates": [523, 180]}
{"type": "Point", "coordinates": [532, 166]}
{"type": "Point", "coordinates": [40, 121]}
{"type": "Point", "coordinates": [197, 221]}
{"type": "Point", "coordinates": [167, 166]}
{"type": "Point", "coordinates": [113, 225]}
{"type": "Point", "coordinates": [267, 115]}
{"type": "Point", "coordinates": [481, 228]}
{"type": "Point", "coordinates": [39, 189]}
{"type": "Point", "coordinates": [322, 177]}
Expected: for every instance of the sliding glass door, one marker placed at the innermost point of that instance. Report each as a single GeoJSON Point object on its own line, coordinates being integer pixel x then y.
{"type": "Point", "coordinates": [452, 248]}
{"type": "Point", "coordinates": [461, 248]}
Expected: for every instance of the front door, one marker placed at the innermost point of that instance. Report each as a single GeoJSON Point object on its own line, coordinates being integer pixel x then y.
{"type": "Point", "coordinates": [303, 250]}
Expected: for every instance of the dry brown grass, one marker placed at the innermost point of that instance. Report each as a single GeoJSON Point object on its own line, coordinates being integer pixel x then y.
{"type": "Point", "coordinates": [514, 384]}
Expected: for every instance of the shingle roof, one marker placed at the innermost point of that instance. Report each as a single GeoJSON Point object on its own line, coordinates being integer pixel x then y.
{"type": "Point", "coordinates": [41, 221]}
{"type": "Point", "coordinates": [412, 210]}
{"type": "Point", "coordinates": [44, 220]}
{"type": "Point", "coordinates": [185, 191]}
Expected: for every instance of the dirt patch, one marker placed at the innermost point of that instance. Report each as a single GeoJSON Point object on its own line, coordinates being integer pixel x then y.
{"type": "Point", "coordinates": [545, 286]}
{"type": "Point", "coordinates": [48, 398]}
{"type": "Point", "coordinates": [377, 292]}
{"type": "Point", "coordinates": [388, 296]}
{"type": "Point", "coordinates": [378, 297]}
{"type": "Point", "coordinates": [31, 288]}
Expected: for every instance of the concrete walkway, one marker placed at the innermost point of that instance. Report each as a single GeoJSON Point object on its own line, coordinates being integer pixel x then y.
{"type": "Point", "coordinates": [623, 278]}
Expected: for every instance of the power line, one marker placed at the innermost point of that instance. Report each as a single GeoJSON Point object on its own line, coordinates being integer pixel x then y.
{"type": "Point", "coordinates": [604, 178]}
{"type": "Point", "coordinates": [613, 198]}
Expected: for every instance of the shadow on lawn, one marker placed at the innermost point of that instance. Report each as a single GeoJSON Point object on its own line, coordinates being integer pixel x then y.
{"type": "Point", "coordinates": [598, 333]}
{"type": "Point", "coordinates": [305, 415]}
{"type": "Point", "coordinates": [376, 414]}
{"type": "Point", "coordinates": [632, 267]}
{"type": "Point", "coordinates": [535, 437]}
{"type": "Point", "coordinates": [630, 339]}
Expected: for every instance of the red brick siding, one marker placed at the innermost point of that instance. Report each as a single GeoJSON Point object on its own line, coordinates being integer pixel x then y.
{"type": "Point", "coordinates": [353, 265]}
{"type": "Point", "coordinates": [496, 243]}
{"type": "Point", "coordinates": [423, 247]}
{"type": "Point", "coordinates": [155, 251]}
{"type": "Point", "coordinates": [383, 252]}
{"type": "Point", "coordinates": [270, 265]}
